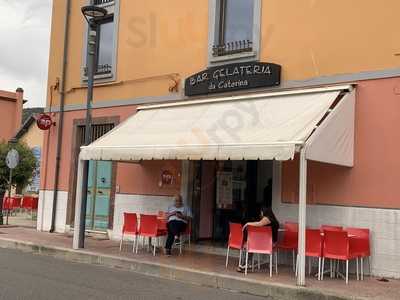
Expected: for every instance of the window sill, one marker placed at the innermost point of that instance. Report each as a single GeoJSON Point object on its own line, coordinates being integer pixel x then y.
{"type": "Point", "coordinates": [233, 57]}
{"type": "Point", "coordinates": [101, 78]}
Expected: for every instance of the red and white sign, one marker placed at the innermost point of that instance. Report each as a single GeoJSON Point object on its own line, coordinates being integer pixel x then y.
{"type": "Point", "coordinates": [44, 122]}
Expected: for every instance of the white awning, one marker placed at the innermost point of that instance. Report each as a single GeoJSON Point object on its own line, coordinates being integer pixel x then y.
{"type": "Point", "coordinates": [333, 141]}
{"type": "Point", "coordinates": [256, 126]}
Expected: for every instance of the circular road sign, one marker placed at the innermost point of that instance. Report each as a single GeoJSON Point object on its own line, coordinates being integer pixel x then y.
{"type": "Point", "coordinates": [12, 159]}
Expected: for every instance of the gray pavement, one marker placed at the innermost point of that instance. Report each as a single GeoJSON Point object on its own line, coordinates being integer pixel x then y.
{"type": "Point", "coordinates": [29, 276]}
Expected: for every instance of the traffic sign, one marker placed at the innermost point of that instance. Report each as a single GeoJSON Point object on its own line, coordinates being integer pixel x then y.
{"type": "Point", "coordinates": [12, 159]}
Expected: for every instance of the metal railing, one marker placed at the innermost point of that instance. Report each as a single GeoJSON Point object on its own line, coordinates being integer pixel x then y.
{"type": "Point", "coordinates": [232, 48]}
{"type": "Point", "coordinates": [102, 2]}
{"type": "Point", "coordinates": [100, 70]}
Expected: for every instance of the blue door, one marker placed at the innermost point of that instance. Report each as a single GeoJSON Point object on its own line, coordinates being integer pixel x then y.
{"type": "Point", "coordinates": [99, 194]}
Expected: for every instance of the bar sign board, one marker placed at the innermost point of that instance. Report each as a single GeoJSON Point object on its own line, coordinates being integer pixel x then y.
{"type": "Point", "coordinates": [233, 77]}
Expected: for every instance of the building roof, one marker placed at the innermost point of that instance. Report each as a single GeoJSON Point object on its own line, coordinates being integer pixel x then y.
{"type": "Point", "coordinates": [28, 120]}
{"type": "Point", "coordinates": [10, 96]}
{"type": "Point", "coordinates": [28, 112]}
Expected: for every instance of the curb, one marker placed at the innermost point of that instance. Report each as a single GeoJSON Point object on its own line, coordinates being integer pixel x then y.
{"type": "Point", "coordinates": [275, 291]}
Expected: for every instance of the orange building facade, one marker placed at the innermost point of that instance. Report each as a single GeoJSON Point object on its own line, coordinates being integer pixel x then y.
{"type": "Point", "coordinates": [147, 51]}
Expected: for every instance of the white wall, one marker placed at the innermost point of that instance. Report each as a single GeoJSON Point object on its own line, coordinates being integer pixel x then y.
{"type": "Point", "coordinates": [137, 204]}
{"type": "Point", "coordinates": [384, 225]}
{"type": "Point", "coordinates": [45, 211]}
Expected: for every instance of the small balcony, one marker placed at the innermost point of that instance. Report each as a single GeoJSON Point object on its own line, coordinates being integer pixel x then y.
{"type": "Point", "coordinates": [103, 2]}
{"type": "Point", "coordinates": [101, 71]}
{"type": "Point", "coordinates": [232, 48]}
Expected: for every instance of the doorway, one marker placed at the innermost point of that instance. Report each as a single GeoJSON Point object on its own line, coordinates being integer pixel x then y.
{"type": "Point", "coordinates": [98, 196]}
{"type": "Point", "coordinates": [228, 191]}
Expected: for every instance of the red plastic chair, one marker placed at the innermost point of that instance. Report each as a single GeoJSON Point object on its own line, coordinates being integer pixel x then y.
{"type": "Point", "coordinates": [7, 203]}
{"type": "Point", "coordinates": [162, 222]}
{"type": "Point", "coordinates": [188, 234]}
{"type": "Point", "coordinates": [27, 202]}
{"type": "Point", "coordinates": [290, 240]}
{"type": "Point", "coordinates": [259, 240]}
{"type": "Point", "coordinates": [235, 240]}
{"type": "Point", "coordinates": [337, 246]}
{"type": "Point", "coordinates": [130, 227]}
{"type": "Point", "coordinates": [331, 228]}
{"type": "Point", "coordinates": [16, 203]}
{"type": "Point", "coordinates": [35, 202]}
{"type": "Point", "coordinates": [149, 228]}
{"type": "Point", "coordinates": [360, 245]}
{"type": "Point", "coordinates": [314, 245]}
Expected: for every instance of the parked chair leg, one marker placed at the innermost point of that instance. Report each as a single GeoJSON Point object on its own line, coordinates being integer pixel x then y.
{"type": "Point", "coordinates": [369, 265]}
{"type": "Point", "coordinates": [357, 268]}
{"type": "Point", "coordinates": [362, 268]}
{"type": "Point", "coordinates": [270, 265]}
{"type": "Point", "coordinates": [227, 257]}
{"type": "Point", "coordinates": [319, 268]}
{"type": "Point", "coordinates": [247, 262]}
{"type": "Point", "coordinates": [134, 244]}
{"type": "Point", "coordinates": [252, 262]}
{"type": "Point", "coordinates": [309, 266]}
{"type": "Point", "coordinates": [297, 266]}
{"type": "Point", "coordinates": [276, 263]}
{"type": "Point", "coordinates": [240, 257]}
{"type": "Point", "coordinates": [259, 263]}
{"type": "Point", "coordinates": [323, 268]}
{"type": "Point", "coordinates": [120, 244]}
{"type": "Point", "coordinates": [347, 272]}
{"type": "Point", "coordinates": [293, 260]}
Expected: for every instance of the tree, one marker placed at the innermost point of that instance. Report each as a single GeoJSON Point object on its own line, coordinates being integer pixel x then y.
{"type": "Point", "coordinates": [22, 174]}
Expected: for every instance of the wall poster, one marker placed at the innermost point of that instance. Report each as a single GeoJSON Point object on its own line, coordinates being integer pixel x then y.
{"type": "Point", "coordinates": [224, 190]}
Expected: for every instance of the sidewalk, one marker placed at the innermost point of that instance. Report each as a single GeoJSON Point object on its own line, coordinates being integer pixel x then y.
{"type": "Point", "coordinates": [196, 268]}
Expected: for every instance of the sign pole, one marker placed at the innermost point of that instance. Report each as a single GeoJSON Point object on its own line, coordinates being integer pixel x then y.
{"type": "Point", "coordinates": [9, 196]}
{"type": "Point", "coordinates": [12, 161]}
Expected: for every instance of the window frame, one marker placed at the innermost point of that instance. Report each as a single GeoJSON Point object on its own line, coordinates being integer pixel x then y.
{"type": "Point", "coordinates": [108, 19]}
{"type": "Point", "coordinates": [215, 30]}
{"type": "Point", "coordinates": [113, 9]}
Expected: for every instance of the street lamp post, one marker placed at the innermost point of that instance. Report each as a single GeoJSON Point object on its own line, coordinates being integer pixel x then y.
{"type": "Point", "coordinates": [92, 15]}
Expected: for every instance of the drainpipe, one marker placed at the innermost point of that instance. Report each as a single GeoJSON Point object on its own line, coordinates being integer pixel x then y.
{"type": "Point", "coordinates": [61, 119]}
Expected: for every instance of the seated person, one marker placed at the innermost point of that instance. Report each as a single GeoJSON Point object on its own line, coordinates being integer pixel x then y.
{"type": "Point", "coordinates": [178, 217]}
{"type": "Point", "coordinates": [266, 218]}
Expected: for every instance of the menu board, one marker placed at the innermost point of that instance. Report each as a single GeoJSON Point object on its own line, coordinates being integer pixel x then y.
{"type": "Point", "coordinates": [224, 190]}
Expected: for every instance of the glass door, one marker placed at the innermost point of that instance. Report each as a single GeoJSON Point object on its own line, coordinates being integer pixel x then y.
{"type": "Point", "coordinates": [99, 194]}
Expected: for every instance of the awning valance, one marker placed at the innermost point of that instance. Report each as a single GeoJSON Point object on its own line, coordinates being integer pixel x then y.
{"type": "Point", "coordinates": [250, 127]}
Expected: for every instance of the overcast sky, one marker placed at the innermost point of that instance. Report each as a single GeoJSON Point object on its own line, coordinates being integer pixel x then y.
{"type": "Point", "coordinates": [24, 47]}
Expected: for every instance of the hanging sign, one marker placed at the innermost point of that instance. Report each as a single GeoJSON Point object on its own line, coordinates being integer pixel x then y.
{"type": "Point", "coordinates": [233, 77]}
{"type": "Point", "coordinates": [44, 122]}
{"type": "Point", "coordinates": [12, 159]}
{"type": "Point", "coordinates": [167, 178]}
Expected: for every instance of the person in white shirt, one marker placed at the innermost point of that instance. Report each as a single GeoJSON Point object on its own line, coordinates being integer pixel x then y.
{"type": "Point", "coordinates": [178, 216]}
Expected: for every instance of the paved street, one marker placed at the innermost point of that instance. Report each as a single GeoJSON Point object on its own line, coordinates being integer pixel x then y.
{"type": "Point", "coordinates": [27, 276]}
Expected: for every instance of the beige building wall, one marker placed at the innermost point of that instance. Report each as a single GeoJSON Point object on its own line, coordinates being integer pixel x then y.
{"type": "Point", "coordinates": [33, 137]}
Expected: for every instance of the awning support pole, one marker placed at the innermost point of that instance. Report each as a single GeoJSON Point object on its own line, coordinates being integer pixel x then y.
{"type": "Point", "coordinates": [302, 218]}
{"type": "Point", "coordinates": [78, 205]}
